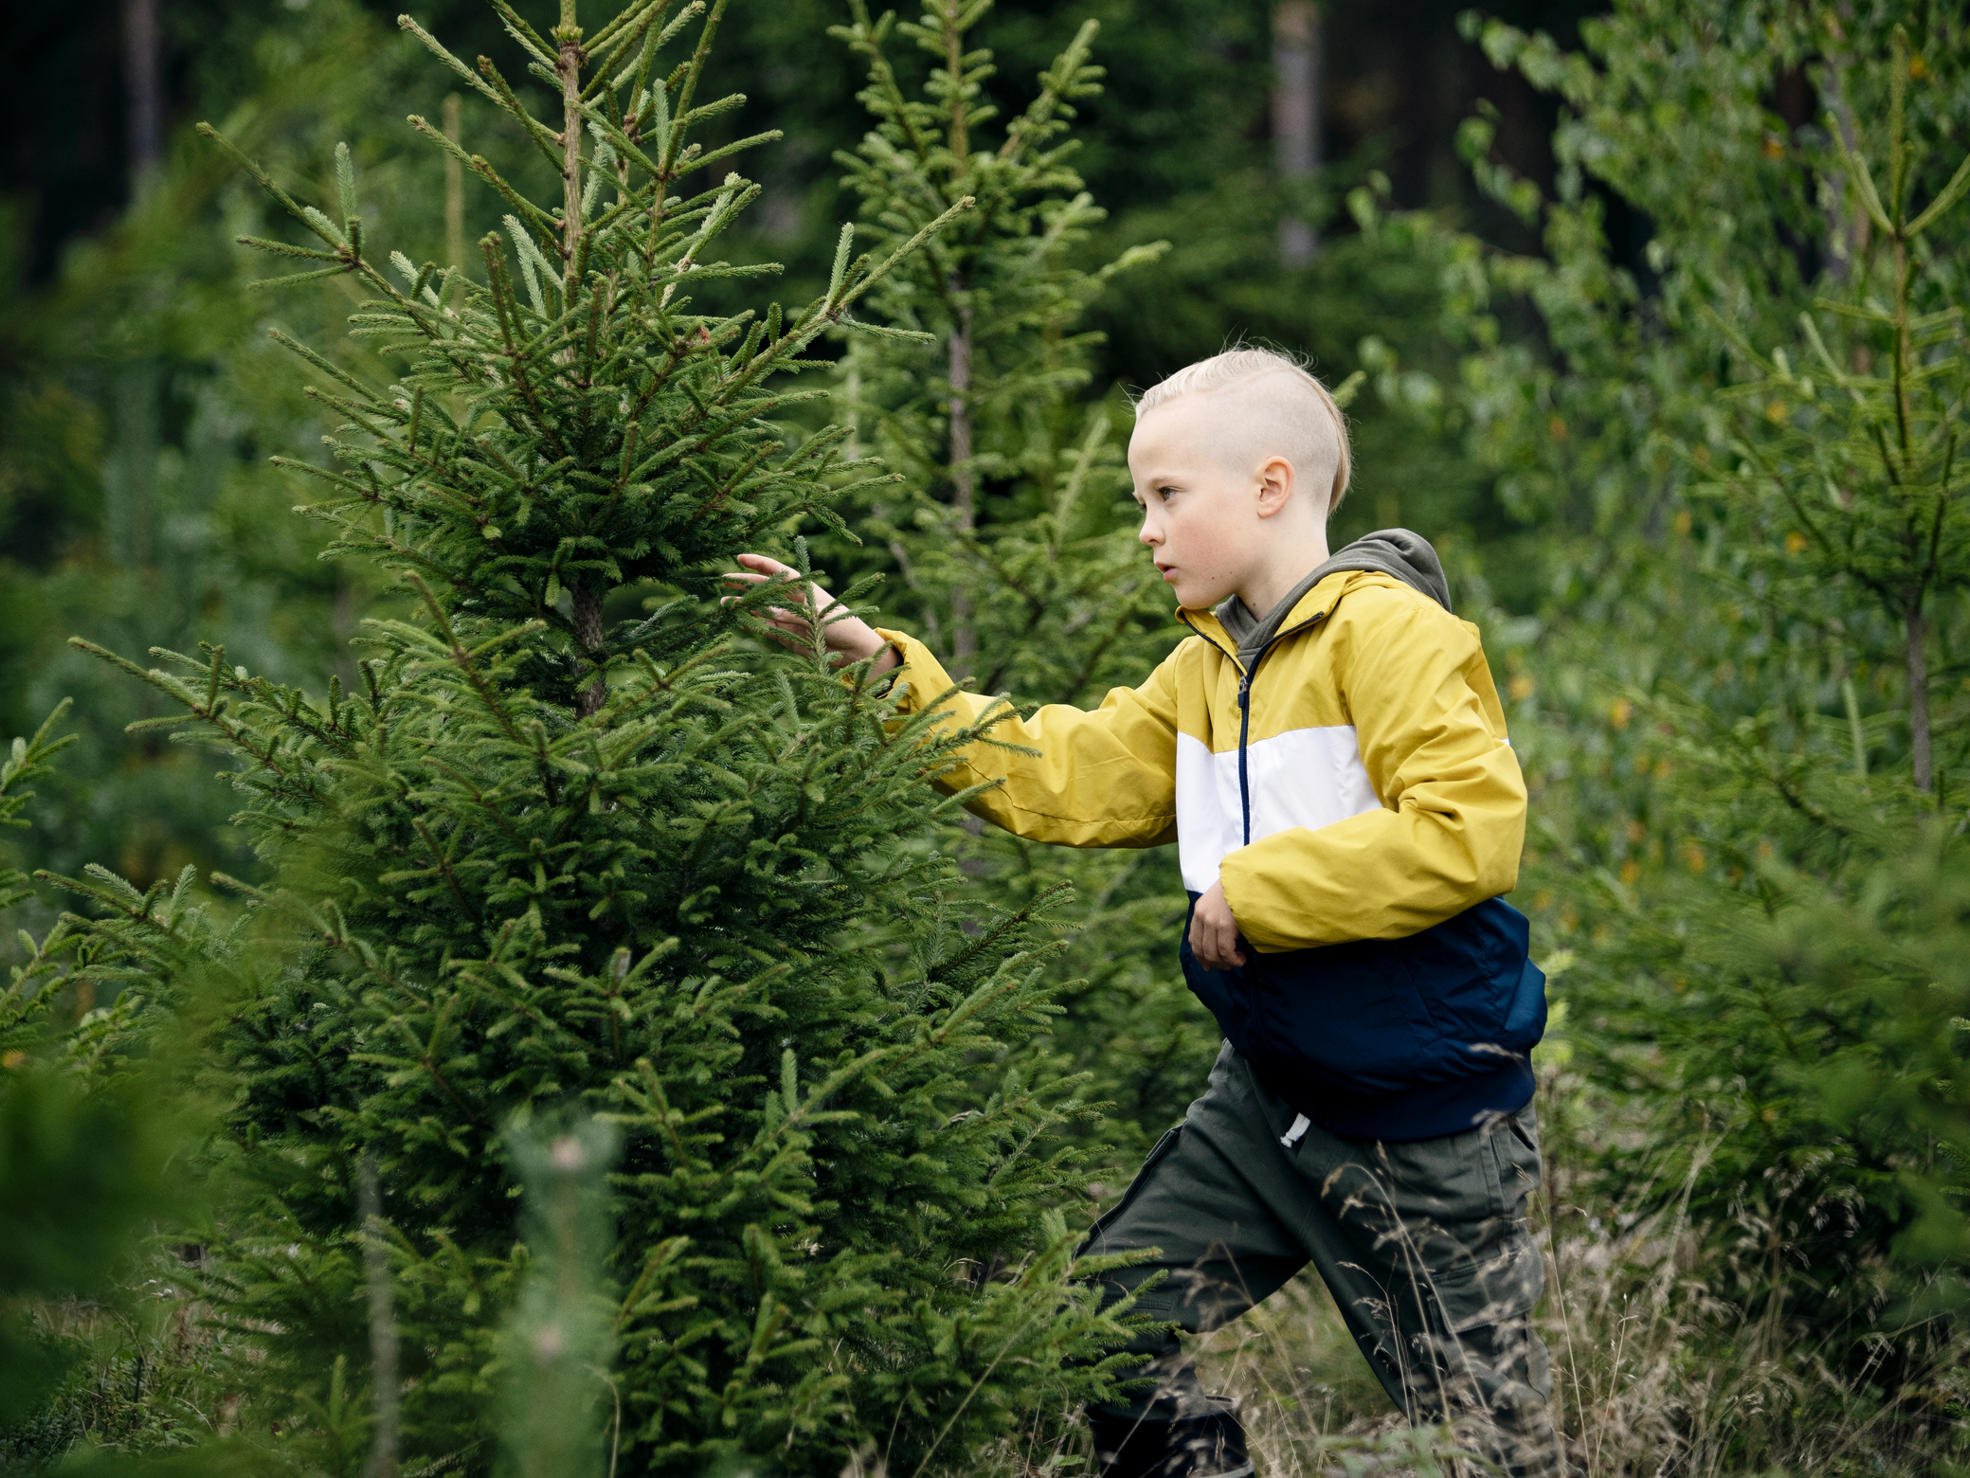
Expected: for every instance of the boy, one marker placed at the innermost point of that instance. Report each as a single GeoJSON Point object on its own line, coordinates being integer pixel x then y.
{"type": "Point", "coordinates": [1328, 751]}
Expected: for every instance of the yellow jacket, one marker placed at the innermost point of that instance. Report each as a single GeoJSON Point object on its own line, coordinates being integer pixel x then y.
{"type": "Point", "coordinates": [1357, 784]}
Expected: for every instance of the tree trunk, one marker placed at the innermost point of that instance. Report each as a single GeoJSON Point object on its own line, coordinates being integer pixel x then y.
{"type": "Point", "coordinates": [1295, 120]}
{"type": "Point", "coordinates": [964, 479]}
{"type": "Point", "coordinates": [454, 190]}
{"type": "Point", "coordinates": [1918, 698]}
{"type": "Point", "coordinates": [1848, 230]}
{"type": "Point", "coordinates": [382, 1461]}
{"type": "Point", "coordinates": [143, 90]}
{"type": "Point", "coordinates": [587, 603]}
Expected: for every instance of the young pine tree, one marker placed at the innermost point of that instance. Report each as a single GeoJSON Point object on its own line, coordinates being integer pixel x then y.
{"type": "Point", "coordinates": [1763, 446]}
{"type": "Point", "coordinates": [1823, 1030]}
{"type": "Point", "coordinates": [94, 1149]}
{"type": "Point", "coordinates": [1004, 542]}
{"type": "Point", "coordinates": [576, 846]}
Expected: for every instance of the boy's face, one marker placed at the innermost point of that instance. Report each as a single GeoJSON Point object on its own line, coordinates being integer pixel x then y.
{"type": "Point", "coordinates": [1200, 518]}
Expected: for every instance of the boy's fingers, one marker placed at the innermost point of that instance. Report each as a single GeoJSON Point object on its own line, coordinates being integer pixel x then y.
{"type": "Point", "coordinates": [740, 579]}
{"type": "Point", "coordinates": [765, 567]}
{"type": "Point", "coordinates": [1215, 946]}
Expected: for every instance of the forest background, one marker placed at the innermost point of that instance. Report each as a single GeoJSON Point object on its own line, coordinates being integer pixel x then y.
{"type": "Point", "coordinates": [1649, 316]}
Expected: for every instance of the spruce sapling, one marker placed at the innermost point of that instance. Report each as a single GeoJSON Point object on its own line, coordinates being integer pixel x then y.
{"type": "Point", "coordinates": [574, 843]}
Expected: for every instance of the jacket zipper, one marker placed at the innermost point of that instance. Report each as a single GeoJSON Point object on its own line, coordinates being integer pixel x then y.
{"type": "Point", "coordinates": [1244, 731]}
{"type": "Point", "coordinates": [1245, 675]}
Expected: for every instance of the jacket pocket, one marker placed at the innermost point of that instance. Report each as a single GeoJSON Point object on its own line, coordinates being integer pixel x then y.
{"type": "Point", "coordinates": [1477, 1295]}
{"type": "Point", "coordinates": [1227, 994]}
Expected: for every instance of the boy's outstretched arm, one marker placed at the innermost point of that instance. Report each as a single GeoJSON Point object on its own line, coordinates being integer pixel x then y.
{"type": "Point", "coordinates": [1451, 824]}
{"type": "Point", "coordinates": [1102, 777]}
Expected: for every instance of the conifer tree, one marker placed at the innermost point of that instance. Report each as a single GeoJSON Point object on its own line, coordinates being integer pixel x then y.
{"type": "Point", "coordinates": [93, 1149]}
{"type": "Point", "coordinates": [1821, 1018]}
{"type": "Point", "coordinates": [576, 844]}
{"type": "Point", "coordinates": [1005, 542]}
{"type": "Point", "coordinates": [1765, 879]}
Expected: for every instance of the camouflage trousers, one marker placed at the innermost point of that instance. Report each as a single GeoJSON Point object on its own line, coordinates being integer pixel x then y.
{"type": "Point", "coordinates": [1423, 1245]}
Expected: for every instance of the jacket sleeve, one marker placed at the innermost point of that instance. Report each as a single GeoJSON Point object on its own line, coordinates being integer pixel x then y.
{"type": "Point", "coordinates": [1102, 777]}
{"type": "Point", "coordinates": [1452, 820]}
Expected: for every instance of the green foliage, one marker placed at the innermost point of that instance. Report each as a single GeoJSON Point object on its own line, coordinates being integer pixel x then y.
{"type": "Point", "coordinates": [1006, 491]}
{"type": "Point", "coordinates": [1749, 835]}
{"type": "Point", "coordinates": [1004, 541]}
{"type": "Point", "coordinates": [1818, 1031]}
{"type": "Point", "coordinates": [552, 852]}
{"type": "Point", "coordinates": [95, 1147]}
{"type": "Point", "coordinates": [1817, 1028]}
{"type": "Point", "coordinates": [141, 398]}
{"type": "Point", "coordinates": [27, 757]}
{"type": "Point", "coordinates": [84, 1172]}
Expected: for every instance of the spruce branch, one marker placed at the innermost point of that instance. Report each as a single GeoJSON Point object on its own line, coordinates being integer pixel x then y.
{"type": "Point", "coordinates": [737, 146]}
{"type": "Point", "coordinates": [286, 249]}
{"type": "Point", "coordinates": [891, 104]}
{"type": "Point", "coordinates": [500, 288]}
{"type": "Point", "coordinates": [442, 865]}
{"type": "Point", "coordinates": [239, 736]}
{"type": "Point", "coordinates": [295, 279]}
{"type": "Point", "coordinates": [531, 41]}
{"type": "Point", "coordinates": [631, 152]}
{"type": "Point", "coordinates": [683, 83]}
{"type": "Point", "coordinates": [326, 366]}
{"type": "Point", "coordinates": [522, 206]}
{"type": "Point", "coordinates": [637, 17]}
{"type": "Point", "coordinates": [495, 706]}
{"type": "Point", "coordinates": [953, 21]}
{"type": "Point", "coordinates": [1070, 76]}
{"type": "Point", "coordinates": [910, 247]}
{"type": "Point", "coordinates": [543, 137]}
{"type": "Point", "coordinates": [438, 49]}
{"type": "Point", "coordinates": [318, 223]}
{"type": "Point", "coordinates": [614, 41]}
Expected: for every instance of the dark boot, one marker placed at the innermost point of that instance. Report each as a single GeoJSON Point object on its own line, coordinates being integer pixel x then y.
{"type": "Point", "coordinates": [1208, 1445]}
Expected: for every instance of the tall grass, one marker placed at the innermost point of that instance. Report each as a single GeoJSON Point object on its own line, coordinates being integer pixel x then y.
{"type": "Point", "coordinates": [1654, 1372]}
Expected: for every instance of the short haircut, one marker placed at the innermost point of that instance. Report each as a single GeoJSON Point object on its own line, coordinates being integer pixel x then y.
{"type": "Point", "coordinates": [1303, 423]}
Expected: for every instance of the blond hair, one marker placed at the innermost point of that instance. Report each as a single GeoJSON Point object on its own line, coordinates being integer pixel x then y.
{"type": "Point", "coordinates": [1303, 422]}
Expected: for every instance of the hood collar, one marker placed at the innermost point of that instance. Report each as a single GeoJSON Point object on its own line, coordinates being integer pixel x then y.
{"type": "Point", "coordinates": [1401, 553]}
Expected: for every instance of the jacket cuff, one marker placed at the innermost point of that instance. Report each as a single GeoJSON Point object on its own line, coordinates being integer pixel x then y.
{"type": "Point", "coordinates": [910, 653]}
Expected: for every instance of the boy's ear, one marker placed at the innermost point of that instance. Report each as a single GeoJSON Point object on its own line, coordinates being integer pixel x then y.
{"type": "Point", "coordinates": [1275, 486]}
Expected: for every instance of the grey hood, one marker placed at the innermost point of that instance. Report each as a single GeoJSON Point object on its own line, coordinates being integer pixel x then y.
{"type": "Point", "coordinates": [1398, 552]}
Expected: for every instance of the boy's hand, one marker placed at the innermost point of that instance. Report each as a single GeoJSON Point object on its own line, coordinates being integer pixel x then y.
{"type": "Point", "coordinates": [849, 637]}
{"type": "Point", "coordinates": [1214, 932]}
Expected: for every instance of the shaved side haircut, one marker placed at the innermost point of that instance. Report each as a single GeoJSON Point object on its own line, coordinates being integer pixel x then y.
{"type": "Point", "coordinates": [1273, 407]}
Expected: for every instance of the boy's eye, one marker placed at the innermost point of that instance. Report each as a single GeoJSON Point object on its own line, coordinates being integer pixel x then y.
{"type": "Point", "coordinates": [1165, 493]}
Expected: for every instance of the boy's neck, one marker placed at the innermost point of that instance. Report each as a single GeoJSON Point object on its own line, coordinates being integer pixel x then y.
{"type": "Point", "coordinates": [1285, 567]}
